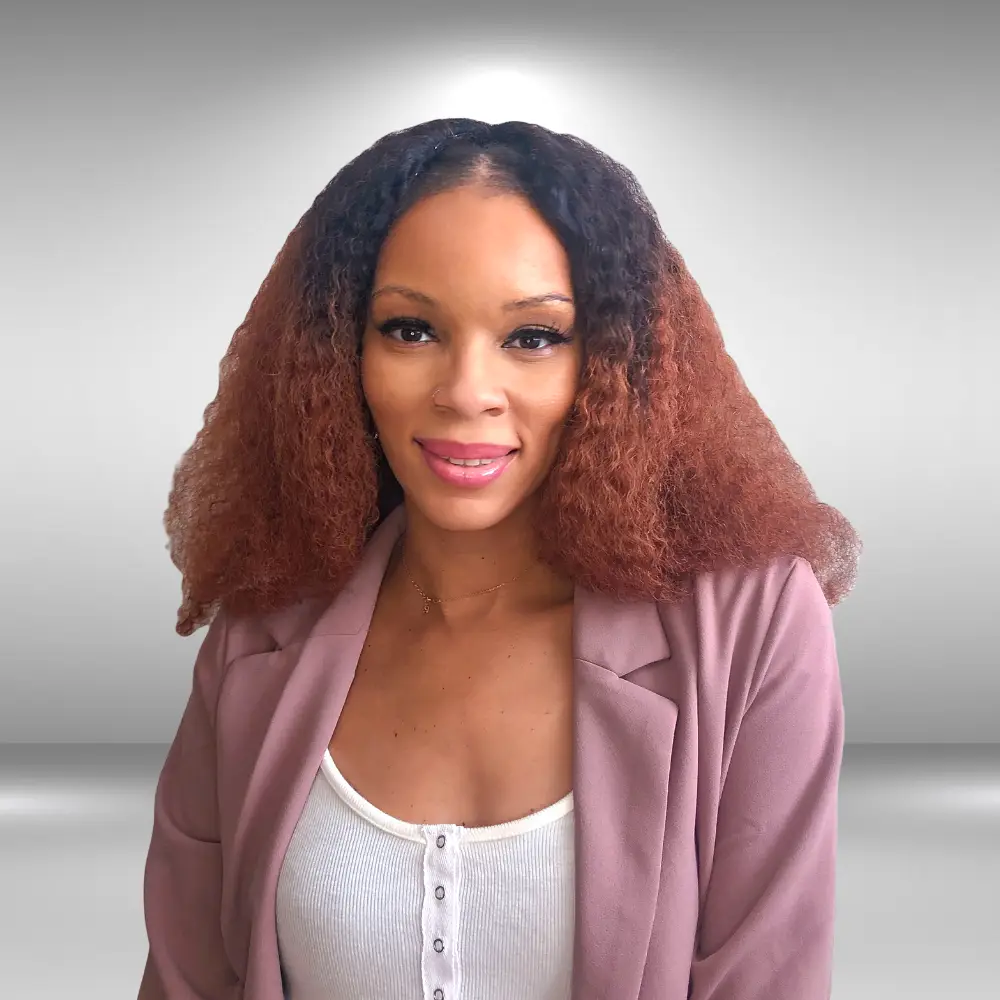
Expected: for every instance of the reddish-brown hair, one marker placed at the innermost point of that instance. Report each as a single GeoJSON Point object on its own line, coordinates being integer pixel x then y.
{"type": "Point", "coordinates": [667, 466]}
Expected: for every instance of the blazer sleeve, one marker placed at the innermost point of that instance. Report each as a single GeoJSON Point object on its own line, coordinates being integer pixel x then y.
{"type": "Point", "coordinates": [186, 959]}
{"type": "Point", "coordinates": [767, 922]}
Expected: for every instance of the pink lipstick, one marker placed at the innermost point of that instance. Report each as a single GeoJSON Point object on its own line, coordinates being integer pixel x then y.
{"type": "Point", "coordinates": [469, 465]}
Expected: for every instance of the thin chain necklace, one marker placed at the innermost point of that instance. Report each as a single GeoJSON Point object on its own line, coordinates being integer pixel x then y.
{"type": "Point", "coordinates": [428, 601]}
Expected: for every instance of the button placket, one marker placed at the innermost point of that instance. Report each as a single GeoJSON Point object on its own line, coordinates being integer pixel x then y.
{"type": "Point", "coordinates": [439, 960]}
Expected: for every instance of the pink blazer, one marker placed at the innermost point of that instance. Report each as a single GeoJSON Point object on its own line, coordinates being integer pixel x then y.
{"type": "Point", "coordinates": [708, 743]}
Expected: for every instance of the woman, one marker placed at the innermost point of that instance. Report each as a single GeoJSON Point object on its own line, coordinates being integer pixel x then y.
{"type": "Point", "coordinates": [520, 679]}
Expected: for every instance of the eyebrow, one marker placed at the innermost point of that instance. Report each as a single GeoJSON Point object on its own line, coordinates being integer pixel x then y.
{"type": "Point", "coordinates": [531, 300]}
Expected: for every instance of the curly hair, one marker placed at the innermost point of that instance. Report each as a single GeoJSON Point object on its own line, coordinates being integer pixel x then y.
{"type": "Point", "coordinates": [667, 464]}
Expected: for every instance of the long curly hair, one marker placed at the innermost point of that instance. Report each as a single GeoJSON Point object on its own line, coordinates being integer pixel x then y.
{"type": "Point", "coordinates": [667, 464]}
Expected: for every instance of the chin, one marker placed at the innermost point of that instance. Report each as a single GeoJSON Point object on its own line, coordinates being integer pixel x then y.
{"type": "Point", "coordinates": [473, 513]}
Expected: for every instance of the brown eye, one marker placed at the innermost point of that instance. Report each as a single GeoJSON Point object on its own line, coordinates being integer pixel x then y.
{"type": "Point", "coordinates": [532, 341]}
{"type": "Point", "coordinates": [537, 338]}
{"type": "Point", "coordinates": [404, 330]}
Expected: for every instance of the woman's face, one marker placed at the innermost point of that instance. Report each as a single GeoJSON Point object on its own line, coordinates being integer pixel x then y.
{"type": "Point", "coordinates": [469, 354]}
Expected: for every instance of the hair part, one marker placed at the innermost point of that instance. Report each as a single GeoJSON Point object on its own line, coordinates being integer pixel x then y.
{"type": "Point", "coordinates": [667, 466]}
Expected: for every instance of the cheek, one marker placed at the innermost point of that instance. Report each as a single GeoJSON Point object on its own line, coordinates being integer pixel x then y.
{"type": "Point", "coordinates": [564, 389]}
{"type": "Point", "coordinates": [553, 402]}
{"type": "Point", "coordinates": [371, 380]}
{"type": "Point", "coordinates": [384, 391]}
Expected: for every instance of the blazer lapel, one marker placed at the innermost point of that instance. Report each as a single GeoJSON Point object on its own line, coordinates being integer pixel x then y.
{"type": "Point", "coordinates": [298, 733]}
{"type": "Point", "coordinates": [623, 744]}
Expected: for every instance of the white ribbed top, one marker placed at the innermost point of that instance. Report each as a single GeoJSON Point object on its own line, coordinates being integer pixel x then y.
{"type": "Point", "coordinates": [370, 907]}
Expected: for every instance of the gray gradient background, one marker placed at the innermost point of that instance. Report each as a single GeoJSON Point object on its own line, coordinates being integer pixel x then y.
{"type": "Point", "coordinates": [829, 172]}
{"type": "Point", "coordinates": [830, 176]}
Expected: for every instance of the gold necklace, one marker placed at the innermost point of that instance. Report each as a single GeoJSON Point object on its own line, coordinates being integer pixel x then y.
{"type": "Point", "coordinates": [428, 601]}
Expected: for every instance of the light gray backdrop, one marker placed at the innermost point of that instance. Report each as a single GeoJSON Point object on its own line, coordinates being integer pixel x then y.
{"type": "Point", "coordinates": [829, 171]}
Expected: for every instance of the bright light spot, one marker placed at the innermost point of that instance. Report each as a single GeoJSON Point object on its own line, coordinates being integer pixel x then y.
{"type": "Point", "coordinates": [498, 93]}
{"type": "Point", "coordinates": [34, 803]}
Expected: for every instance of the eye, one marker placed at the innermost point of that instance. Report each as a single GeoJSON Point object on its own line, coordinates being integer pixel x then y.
{"type": "Point", "coordinates": [409, 330]}
{"type": "Point", "coordinates": [534, 338]}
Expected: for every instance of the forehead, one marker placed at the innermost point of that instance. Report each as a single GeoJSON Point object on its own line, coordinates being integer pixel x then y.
{"type": "Point", "coordinates": [471, 237]}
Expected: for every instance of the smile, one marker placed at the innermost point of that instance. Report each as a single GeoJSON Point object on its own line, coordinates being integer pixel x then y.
{"type": "Point", "coordinates": [470, 466]}
{"type": "Point", "coordinates": [471, 461]}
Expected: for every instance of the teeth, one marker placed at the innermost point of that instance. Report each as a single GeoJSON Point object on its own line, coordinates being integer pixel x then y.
{"type": "Point", "coordinates": [471, 461]}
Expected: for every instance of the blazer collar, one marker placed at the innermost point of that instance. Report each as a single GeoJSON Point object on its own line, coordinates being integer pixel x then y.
{"type": "Point", "coordinates": [623, 741]}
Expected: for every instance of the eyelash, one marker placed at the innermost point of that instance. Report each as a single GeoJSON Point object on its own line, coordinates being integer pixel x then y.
{"type": "Point", "coordinates": [552, 333]}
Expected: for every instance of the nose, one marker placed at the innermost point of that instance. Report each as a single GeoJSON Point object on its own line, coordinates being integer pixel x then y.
{"type": "Point", "coordinates": [471, 381]}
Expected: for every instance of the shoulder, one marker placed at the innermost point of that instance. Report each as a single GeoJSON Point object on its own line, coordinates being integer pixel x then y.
{"type": "Point", "coordinates": [740, 595]}
{"type": "Point", "coordinates": [740, 600]}
{"type": "Point", "coordinates": [737, 619]}
{"type": "Point", "coordinates": [231, 636]}
{"type": "Point", "coordinates": [277, 629]}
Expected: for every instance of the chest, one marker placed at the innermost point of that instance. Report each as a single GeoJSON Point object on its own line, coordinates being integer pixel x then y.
{"type": "Point", "coordinates": [369, 906]}
{"type": "Point", "coordinates": [473, 729]}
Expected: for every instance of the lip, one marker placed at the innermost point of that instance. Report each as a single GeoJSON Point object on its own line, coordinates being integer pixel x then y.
{"type": "Point", "coordinates": [456, 449]}
{"type": "Point", "coordinates": [468, 476]}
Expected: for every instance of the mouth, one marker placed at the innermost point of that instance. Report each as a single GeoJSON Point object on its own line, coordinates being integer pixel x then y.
{"type": "Point", "coordinates": [466, 465]}
{"type": "Point", "coordinates": [458, 451]}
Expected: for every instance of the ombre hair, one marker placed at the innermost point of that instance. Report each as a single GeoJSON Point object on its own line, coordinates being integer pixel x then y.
{"type": "Point", "coordinates": [667, 465]}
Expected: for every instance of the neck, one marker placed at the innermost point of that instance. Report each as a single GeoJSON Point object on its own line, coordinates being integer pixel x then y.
{"type": "Point", "coordinates": [447, 565]}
